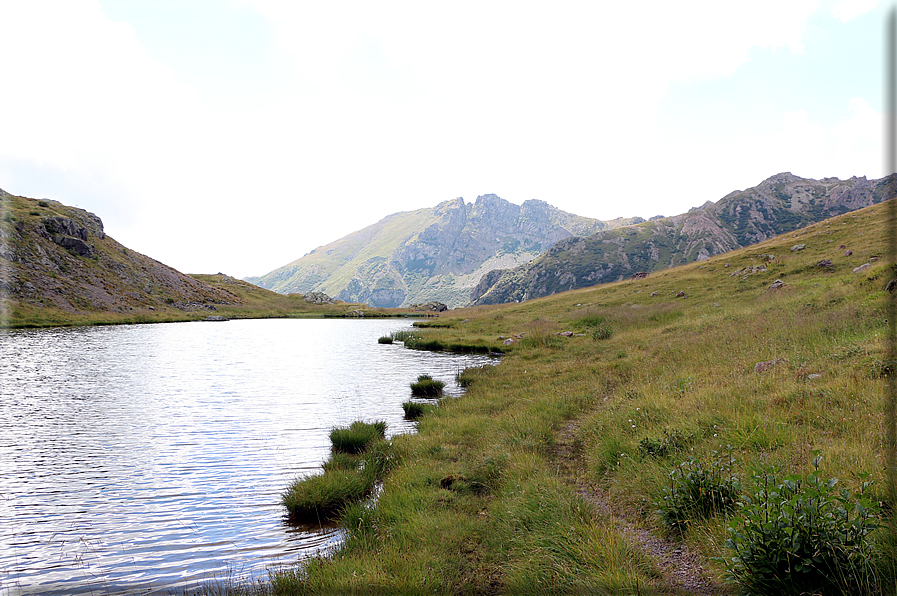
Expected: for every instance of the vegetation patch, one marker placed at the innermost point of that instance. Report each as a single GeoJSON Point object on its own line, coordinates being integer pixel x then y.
{"type": "Point", "coordinates": [427, 386]}
{"type": "Point", "coordinates": [414, 410]}
{"type": "Point", "coordinates": [805, 535]}
{"type": "Point", "coordinates": [360, 458]}
{"type": "Point", "coordinates": [357, 436]}
{"type": "Point", "coordinates": [699, 490]}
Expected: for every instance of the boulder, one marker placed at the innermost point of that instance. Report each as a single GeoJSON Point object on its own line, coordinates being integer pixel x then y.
{"type": "Point", "coordinates": [798, 247]}
{"type": "Point", "coordinates": [776, 284]}
{"type": "Point", "coordinates": [76, 245]}
{"type": "Point", "coordinates": [825, 263]}
{"type": "Point", "coordinates": [768, 364]}
{"type": "Point", "coordinates": [431, 306]}
{"type": "Point", "coordinates": [862, 268]}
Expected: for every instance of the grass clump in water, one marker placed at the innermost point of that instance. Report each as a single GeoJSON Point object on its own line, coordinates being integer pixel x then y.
{"type": "Point", "coordinates": [414, 410]}
{"type": "Point", "coordinates": [357, 436]}
{"type": "Point", "coordinates": [427, 386]}
{"type": "Point", "coordinates": [386, 339]}
{"type": "Point", "coordinates": [361, 457]}
{"type": "Point", "coordinates": [324, 496]}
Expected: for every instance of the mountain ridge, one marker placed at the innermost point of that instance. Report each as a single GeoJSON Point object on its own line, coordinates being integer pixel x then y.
{"type": "Point", "coordinates": [780, 204]}
{"type": "Point", "coordinates": [437, 253]}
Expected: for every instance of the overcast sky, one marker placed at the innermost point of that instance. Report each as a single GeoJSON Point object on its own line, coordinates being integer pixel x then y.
{"type": "Point", "coordinates": [238, 135]}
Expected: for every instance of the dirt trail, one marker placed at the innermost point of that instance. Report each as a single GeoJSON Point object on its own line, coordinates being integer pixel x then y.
{"type": "Point", "coordinates": [684, 572]}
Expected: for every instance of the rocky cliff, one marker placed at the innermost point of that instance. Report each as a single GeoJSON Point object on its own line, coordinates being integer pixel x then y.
{"type": "Point", "coordinates": [435, 254]}
{"type": "Point", "coordinates": [57, 257]}
{"type": "Point", "coordinates": [777, 205]}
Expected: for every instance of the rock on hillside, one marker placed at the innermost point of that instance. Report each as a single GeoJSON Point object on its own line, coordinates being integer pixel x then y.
{"type": "Point", "coordinates": [436, 254]}
{"type": "Point", "coordinates": [778, 205]}
{"type": "Point", "coordinates": [56, 256]}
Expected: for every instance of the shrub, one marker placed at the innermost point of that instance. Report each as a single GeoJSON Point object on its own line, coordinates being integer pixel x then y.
{"type": "Point", "coordinates": [699, 491]}
{"type": "Point", "coordinates": [802, 536]}
{"type": "Point", "coordinates": [414, 410]}
{"type": "Point", "coordinates": [670, 442]}
{"type": "Point", "coordinates": [386, 339]}
{"type": "Point", "coordinates": [602, 332]}
{"type": "Point", "coordinates": [357, 436]}
{"type": "Point", "coordinates": [427, 386]}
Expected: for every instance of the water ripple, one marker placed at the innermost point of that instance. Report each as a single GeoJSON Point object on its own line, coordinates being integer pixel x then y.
{"type": "Point", "coordinates": [139, 459]}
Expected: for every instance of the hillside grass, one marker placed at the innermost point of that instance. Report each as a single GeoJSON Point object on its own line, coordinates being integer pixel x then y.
{"type": "Point", "coordinates": [483, 500]}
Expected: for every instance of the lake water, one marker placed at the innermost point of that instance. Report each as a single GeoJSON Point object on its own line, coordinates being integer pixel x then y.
{"type": "Point", "coordinates": [142, 459]}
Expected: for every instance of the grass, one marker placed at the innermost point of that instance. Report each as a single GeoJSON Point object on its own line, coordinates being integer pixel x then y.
{"type": "Point", "coordinates": [427, 386]}
{"type": "Point", "coordinates": [360, 457]}
{"type": "Point", "coordinates": [356, 437]}
{"type": "Point", "coordinates": [675, 380]}
{"type": "Point", "coordinates": [414, 410]}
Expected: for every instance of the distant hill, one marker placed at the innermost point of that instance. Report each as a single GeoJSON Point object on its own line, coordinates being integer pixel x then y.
{"type": "Point", "coordinates": [58, 258]}
{"type": "Point", "coordinates": [778, 205]}
{"type": "Point", "coordinates": [433, 254]}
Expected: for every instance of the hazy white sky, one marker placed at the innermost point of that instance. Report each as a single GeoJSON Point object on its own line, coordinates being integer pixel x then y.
{"type": "Point", "coordinates": [238, 135]}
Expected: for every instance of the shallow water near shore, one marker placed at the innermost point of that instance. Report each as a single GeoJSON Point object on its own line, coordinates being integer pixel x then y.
{"type": "Point", "coordinates": [143, 459]}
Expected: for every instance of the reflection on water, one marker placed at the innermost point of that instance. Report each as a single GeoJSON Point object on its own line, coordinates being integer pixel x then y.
{"type": "Point", "coordinates": [136, 459]}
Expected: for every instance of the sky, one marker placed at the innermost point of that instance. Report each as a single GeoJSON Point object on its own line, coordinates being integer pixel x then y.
{"type": "Point", "coordinates": [238, 135]}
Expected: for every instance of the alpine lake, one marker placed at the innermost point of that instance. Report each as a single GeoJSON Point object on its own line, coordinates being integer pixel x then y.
{"type": "Point", "coordinates": [149, 459]}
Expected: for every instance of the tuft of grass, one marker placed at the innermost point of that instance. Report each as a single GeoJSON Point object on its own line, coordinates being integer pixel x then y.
{"type": "Point", "coordinates": [427, 386]}
{"type": "Point", "coordinates": [346, 479]}
{"type": "Point", "coordinates": [323, 497]}
{"type": "Point", "coordinates": [414, 410]}
{"type": "Point", "coordinates": [357, 436]}
{"type": "Point", "coordinates": [386, 339]}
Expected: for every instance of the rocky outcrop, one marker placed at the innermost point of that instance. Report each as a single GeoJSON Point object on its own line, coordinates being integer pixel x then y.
{"type": "Point", "coordinates": [778, 205]}
{"type": "Point", "coordinates": [56, 256]}
{"type": "Point", "coordinates": [318, 298]}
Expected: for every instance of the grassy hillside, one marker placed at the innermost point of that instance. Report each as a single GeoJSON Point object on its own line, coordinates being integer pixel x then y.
{"type": "Point", "coordinates": [547, 475]}
{"type": "Point", "coordinates": [58, 267]}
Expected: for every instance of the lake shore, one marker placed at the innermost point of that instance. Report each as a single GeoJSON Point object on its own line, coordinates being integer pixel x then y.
{"type": "Point", "coordinates": [548, 474]}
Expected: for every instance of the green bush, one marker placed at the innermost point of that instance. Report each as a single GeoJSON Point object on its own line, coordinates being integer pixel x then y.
{"type": "Point", "coordinates": [697, 491]}
{"type": "Point", "coordinates": [414, 410]}
{"type": "Point", "coordinates": [602, 332]}
{"type": "Point", "coordinates": [357, 436]}
{"type": "Point", "coordinates": [671, 442]}
{"type": "Point", "coordinates": [386, 339]}
{"type": "Point", "coordinates": [427, 386]}
{"type": "Point", "coordinates": [802, 536]}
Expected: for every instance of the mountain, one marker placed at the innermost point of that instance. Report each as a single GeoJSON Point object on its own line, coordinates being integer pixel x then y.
{"type": "Point", "coordinates": [58, 259]}
{"type": "Point", "coordinates": [777, 205]}
{"type": "Point", "coordinates": [433, 254]}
